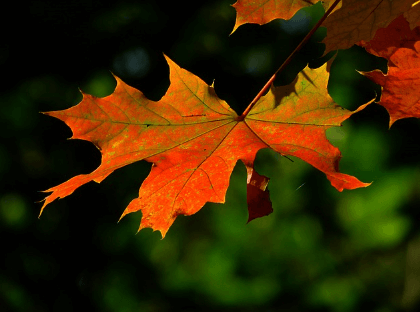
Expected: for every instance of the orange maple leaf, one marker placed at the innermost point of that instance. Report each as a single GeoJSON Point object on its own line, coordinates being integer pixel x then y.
{"type": "Point", "coordinates": [194, 140]}
{"type": "Point", "coordinates": [264, 11]}
{"type": "Point", "coordinates": [401, 85]}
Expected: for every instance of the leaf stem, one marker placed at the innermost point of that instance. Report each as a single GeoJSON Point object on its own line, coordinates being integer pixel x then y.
{"type": "Point", "coordinates": [287, 61]}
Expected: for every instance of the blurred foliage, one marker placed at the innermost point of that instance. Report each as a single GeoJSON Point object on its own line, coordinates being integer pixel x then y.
{"type": "Point", "coordinates": [320, 250]}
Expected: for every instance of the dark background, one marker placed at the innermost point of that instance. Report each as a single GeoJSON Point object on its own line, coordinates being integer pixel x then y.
{"type": "Point", "coordinates": [320, 250]}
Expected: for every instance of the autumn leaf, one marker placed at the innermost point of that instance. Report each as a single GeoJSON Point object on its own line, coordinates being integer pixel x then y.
{"type": "Point", "coordinates": [359, 20]}
{"type": "Point", "coordinates": [194, 140]}
{"type": "Point", "coordinates": [264, 11]}
{"type": "Point", "coordinates": [401, 85]}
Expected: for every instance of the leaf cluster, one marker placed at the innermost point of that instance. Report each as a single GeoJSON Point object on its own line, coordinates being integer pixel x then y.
{"type": "Point", "coordinates": [194, 139]}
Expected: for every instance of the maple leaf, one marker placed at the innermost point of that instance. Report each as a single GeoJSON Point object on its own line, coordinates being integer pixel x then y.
{"type": "Point", "coordinates": [264, 11]}
{"type": "Point", "coordinates": [194, 140]}
{"type": "Point", "coordinates": [359, 20]}
{"type": "Point", "coordinates": [401, 85]}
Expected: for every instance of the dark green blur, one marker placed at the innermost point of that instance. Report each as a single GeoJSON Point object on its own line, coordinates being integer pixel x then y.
{"type": "Point", "coordinates": [320, 250]}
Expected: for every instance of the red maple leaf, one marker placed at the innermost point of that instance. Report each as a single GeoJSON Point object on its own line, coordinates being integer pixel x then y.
{"type": "Point", "coordinates": [194, 140]}
{"type": "Point", "coordinates": [401, 85]}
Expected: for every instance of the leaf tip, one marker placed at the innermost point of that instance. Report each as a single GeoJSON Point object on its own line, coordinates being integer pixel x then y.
{"type": "Point", "coordinates": [122, 216]}
{"type": "Point", "coordinates": [163, 234]}
{"type": "Point", "coordinates": [46, 200]}
{"type": "Point", "coordinates": [43, 206]}
{"type": "Point", "coordinates": [161, 231]}
{"type": "Point", "coordinates": [392, 120]}
{"type": "Point", "coordinates": [234, 29]}
{"type": "Point", "coordinates": [168, 59]}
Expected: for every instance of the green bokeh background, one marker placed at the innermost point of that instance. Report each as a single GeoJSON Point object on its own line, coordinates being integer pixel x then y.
{"type": "Point", "coordinates": [320, 250]}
